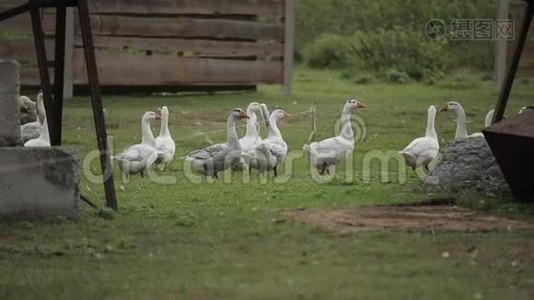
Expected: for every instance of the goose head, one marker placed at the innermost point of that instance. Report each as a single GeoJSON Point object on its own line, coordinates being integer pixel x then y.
{"type": "Point", "coordinates": [278, 114]}
{"type": "Point", "coordinates": [452, 107]}
{"type": "Point", "coordinates": [164, 111]}
{"type": "Point", "coordinates": [150, 116]}
{"type": "Point", "coordinates": [26, 104]}
{"type": "Point", "coordinates": [237, 113]}
{"type": "Point", "coordinates": [352, 105]}
{"type": "Point", "coordinates": [254, 107]}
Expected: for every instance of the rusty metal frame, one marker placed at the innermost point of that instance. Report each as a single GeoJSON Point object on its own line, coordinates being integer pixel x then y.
{"type": "Point", "coordinates": [54, 104]}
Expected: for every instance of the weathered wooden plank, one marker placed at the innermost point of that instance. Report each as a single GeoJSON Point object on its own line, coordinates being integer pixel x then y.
{"type": "Point", "coordinates": [190, 47]}
{"type": "Point", "coordinates": [23, 50]}
{"type": "Point", "coordinates": [163, 27]}
{"type": "Point", "coordinates": [29, 76]}
{"type": "Point", "coordinates": [123, 69]}
{"type": "Point", "coordinates": [186, 27]}
{"type": "Point", "coordinates": [179, 7]}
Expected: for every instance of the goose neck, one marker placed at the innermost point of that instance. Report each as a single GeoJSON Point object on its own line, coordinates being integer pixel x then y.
{"type": "Point", "coordinates": [164, 129]}
{"type": "Point", "coordinates": [346, 127]}
{"type": "Point", "coordinates": [430, 125]}
{"type": "Point", "coordinates": [251, 131]}
{"type": "Point", "coordinates": [231, 134]}
{"type": "Point", "coordinates": [273, 127]}
{"type": "Point", "coordinates": [44, 134]}
{"type": "Point", "coordinates": [461, 130]}
{"type": "Point", "coordinates": [147, 136]}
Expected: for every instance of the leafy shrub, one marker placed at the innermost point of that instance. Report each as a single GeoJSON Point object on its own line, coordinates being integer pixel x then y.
{"type": "Point", "coordinates": [345, 17]}
{"type": "Point", "coordinates": [327, 51]}
{"type": "Point", "coordinates": [398, 52]}
{"type": "Point", "coordinates": [396, 76]}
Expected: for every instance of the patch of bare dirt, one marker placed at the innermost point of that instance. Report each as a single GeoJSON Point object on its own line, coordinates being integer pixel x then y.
{"type": "Point", "coordinates": [438, 217]}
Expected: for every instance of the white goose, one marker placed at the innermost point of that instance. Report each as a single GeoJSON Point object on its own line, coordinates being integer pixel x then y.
{"type": "Point", "coordinates": [137, 158]}
{"type": "Point", "coordinates": [215, 158]}
{"type": "Point", "coordinates": [252, 137]}
{"type": "Point", "coordinates": [28, 110]}
{"type": "Point", "coordinates": [487, 123]}
{"type": "Point", "coordinates": [421, 151]}
{"type": "Point", "coordinates": [457, 111]}
{"type": "Point", "coordinates": [31, 130]}
{"type": "Point", "coordinates": [331, 151]}
{"type": "Point", "coordinates": [164, 142]}
{"type": "Point", "coordinates": [43, 140]}
{"type": "Point", "coordinates": [272, 151]}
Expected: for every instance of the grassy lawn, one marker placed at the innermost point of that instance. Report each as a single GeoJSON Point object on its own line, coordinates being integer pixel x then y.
{"type": "Point", "coordinates": [217, 240]}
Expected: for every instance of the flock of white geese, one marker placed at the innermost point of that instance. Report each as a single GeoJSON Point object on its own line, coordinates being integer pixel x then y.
{"type": "Point", "coordinates": [251, 151]}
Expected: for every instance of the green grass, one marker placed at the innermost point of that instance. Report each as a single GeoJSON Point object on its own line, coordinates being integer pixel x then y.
{"type": "Point", "coordinates": [235, 241]}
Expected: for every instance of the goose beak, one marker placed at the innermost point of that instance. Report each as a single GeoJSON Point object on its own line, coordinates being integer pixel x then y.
{"type": "Point", "coordinates": [444, 108]}
{"type": "Point", "coordinates": [158, 117]}
{"type": "Point", "coordinates": [245, 116]}
{"type": "Point", "coordinates": [361, 105]}
{"type": "Point", "coordinates": [287, 115]}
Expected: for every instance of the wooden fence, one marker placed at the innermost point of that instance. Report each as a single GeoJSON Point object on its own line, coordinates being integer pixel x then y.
{"type": "Point", "coordinates": [526, 64]}
{"type": "Point", "coordinates": [169, 44]}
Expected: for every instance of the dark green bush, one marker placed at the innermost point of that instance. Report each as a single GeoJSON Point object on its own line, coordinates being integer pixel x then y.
{"type": "Point", "coordinates": [398, 53]}
{"type": "Point", "coordinates": [345, 17]}
{"type": "Point", "coordinates": [327, 51]}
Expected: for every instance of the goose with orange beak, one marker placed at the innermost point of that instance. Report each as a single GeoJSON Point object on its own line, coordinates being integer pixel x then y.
{"type": "Point", "coordinates": [272, 151]}
{"type": "Point", "coordinates": [137, 158]}
{"type": "Point", "coordinates": [215, 158]}
{"type": "Point", "coordinates": [456, 110]}
{"type": "Point", "coordinates": [330, 152]}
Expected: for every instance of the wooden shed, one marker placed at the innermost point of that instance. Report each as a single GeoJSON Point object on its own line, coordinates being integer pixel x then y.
{"type": "Point", "coordinates": [168, 45]}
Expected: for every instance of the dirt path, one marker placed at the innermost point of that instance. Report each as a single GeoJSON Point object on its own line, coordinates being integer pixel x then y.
{"type": "Point", "coordinates": [439, 217]}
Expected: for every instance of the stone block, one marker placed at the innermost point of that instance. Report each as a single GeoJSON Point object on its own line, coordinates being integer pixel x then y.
{"type": "Point", "coordinates": [9, 110]}
{"type": "Point", "coordinates": [38, 183]}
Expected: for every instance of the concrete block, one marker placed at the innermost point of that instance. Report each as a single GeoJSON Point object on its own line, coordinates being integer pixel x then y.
{"type": "Point", "coordinates": [39, 183]}
{"type": "Point", "coordinates": [9, 110]}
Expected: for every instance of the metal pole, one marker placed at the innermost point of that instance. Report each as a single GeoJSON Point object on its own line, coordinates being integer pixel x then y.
{"type": "Point", "coordinates": [510, 74]}
{"type": "Point", "coordinates": [96, 100]}
{"type": "Point", "coordinates": [38, 38]}
{"type": "Point", "coordinates": [501, 46]}
{"type": "Point", "coordinates": [59, 69]}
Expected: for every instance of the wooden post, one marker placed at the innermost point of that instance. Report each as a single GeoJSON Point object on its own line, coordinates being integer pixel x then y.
{"type": "Point", "coordinates": [501, 46]}
{"type": "Point", "coordinates": [289, 45]}
{"type": "Point", "coordinates": [69, 54]}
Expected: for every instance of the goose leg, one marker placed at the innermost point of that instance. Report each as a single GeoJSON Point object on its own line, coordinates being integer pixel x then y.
{"type": "Point", "coordinates": [142, 174]}
{"type": "Point", "coordinates": [426, 168]}
{"type": "Point", "coordinates": [275, 173]}
{"type": "Point", "coordinates": [215, 175]}
{"type": "Point", "coordinates": [324, 169]}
